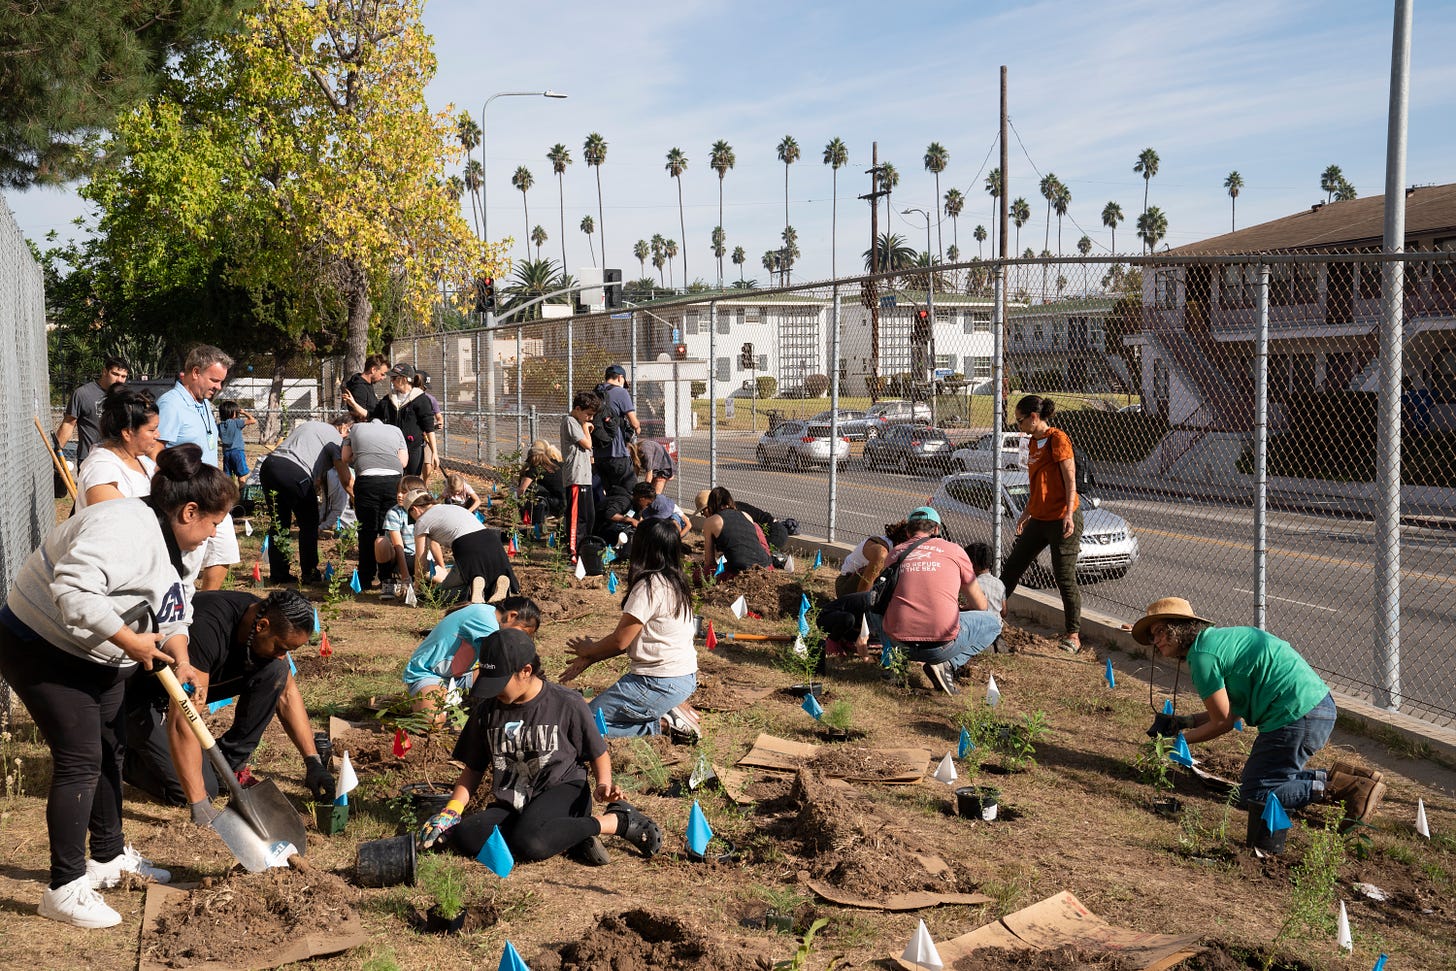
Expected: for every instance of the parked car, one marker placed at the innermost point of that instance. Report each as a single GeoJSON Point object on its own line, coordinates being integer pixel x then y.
{"type": "Point", "coordinates": [909, 448]}
{"type": "Point", "coordinates": [984, 454]}
{"type": "Point", "coordinates": [845, 414]}
{"type": "Point", "coordinates": [1109, 548]}
{"type": "Point", "coordinates": [799, 445]}
{"type": "Point", "coordinates": [885, 413]}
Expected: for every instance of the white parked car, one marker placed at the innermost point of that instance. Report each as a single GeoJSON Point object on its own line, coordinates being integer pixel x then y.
{"type": "Point", "coordinates": [1109, 548]}
{"type": "Point", "coordinates": [984, 453]}
{"type": "Point", "coordinates": [799, 445]}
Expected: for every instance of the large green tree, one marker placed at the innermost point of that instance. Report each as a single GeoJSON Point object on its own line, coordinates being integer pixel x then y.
{"type": "Point", "coordinates": [594, 153]}
{"type": "Point", "coordinates": [836, 156]}
{"type": "Point", "coordinates": [560, 157]}
{"type": "Point", "coordinates": [788, 150]}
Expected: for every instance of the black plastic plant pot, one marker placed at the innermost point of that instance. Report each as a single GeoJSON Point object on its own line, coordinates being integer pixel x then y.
{"type": "Point", "coordinates": [331, 819]}
{"type": "Point", "coordinates": [727, 854]}
{"type": "Point", "coordinates": [977, 802]}
{"type": "Point", "coordinates": [1169, 806]}
{"type": "Point", "coordinates": [387, 863]}
{"type": "Point", "coordinates": [428, 798]}
{"type": "Point", "coordinates": [324, 745]}
{"type": "Point", "coordinates": [815, 688]}
{"type": "Point", "coordinates": [435, 923]}
{"type": "Point", "coordinates": [1259, 836]}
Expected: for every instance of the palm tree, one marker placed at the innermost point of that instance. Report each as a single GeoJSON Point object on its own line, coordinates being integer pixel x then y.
{"type": "Point", "coordinates": [719, 241]}
{"type": "Point", "coordinates": [889, 178]}
{"type": "Point", "coordinates": [669, 250]}
{"type": "Point", "coordinates": [539, 237]}
{"type": "Point", "coordinates": [893, 251]}
{"type": "Point", "coordinates": [641, 251]}
{"type": "Point", "coordinates": [720, 160]}
{"type": "Point", "coordinates": [659, 257]}
{"type": "Point", "coordinates": [1147, 166]}
{"type": "Point", "coordinates": [955, 201]}
{"type": "Point", "coordinates": [523, 180]}
{"type": "Point", "coordinates": [788, 154]}
{"type": "Point", "coordinates": [980, 236]}
{"type": "Point", "coordinates": [936, 159]}
{"type": "Point", "coordinates": [836, 156]}
{"type": "Point", "coordinates": [560, 157]}
{"type": "Point", "coordinates": [1061, 202]}
{"type": "Point", "coordinates": [993, 189]}
{"type": "Point", "coordinates": [469, 134]}
{"type": "Point", "coordinates": [1152, 226]}
{"type": "Point", "coordinates": [1111, 216]}
{"type": "Point", "coordinates": [790, 251]}
{"type": "Point", "coordinates": [771, 261]}
{"type": "Point", "coordinates": [1344, 192]}
{"type": "Point", "coordinates": [474, 178]}
{"type": "Point", "coordinates": [589, 226]}
{"type": "Point", "coordinates": [1233, 182]}
{"type": "Point", "coordinates": [739, 258]}
{"type": "Point", "coordinates": [1084, 245]}
{"type": "Point", "coordinates": [455, 186]}
{"type": "Point", "coordinates": [1330, 181]}
{"type": "Point", "coordinates": [533, 279]}
{"type": "Point", "coordinates": [1048, 189]}
{"type": "Point", "coordinates": [1020, 212]}
{"type": "Point", "coordinates": [594, 153]}
{"type": "Point", "coordinates": [677, 164]}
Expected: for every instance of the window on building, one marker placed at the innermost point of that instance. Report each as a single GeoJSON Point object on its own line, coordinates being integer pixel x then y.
{"type": "Point", "coordinates": [1165, 288]}
{"type": "Point", "coordinates": [1239, 286]}
{"type": "Point", "coordinates": [1293, 284]}
{"type": "Point", "coordinates": [725, 323]}
{"type": "Point", "coordinates": [976, 322]}
{"type": "Point", "coordinates": [977, 366]}
{"type": "Point", "coordinates": [751, 315]}
{"type": "Point", "coordinates": [1018, 333]}
{"type": "Point", "coordinates": [1036, 333]}
{"type": "Point", "coordinates": [690, 322]}
{"type": "Point", "coordinates": [724, 369]}
{"type": "Point", "coordinates": [798, 349]}
{"type": "Point", "coordinates": [945, 361]}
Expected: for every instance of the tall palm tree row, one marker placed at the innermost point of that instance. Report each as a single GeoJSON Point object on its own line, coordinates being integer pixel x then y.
{"type": "Point", "coordinates": [1111, 216]}
{"type": "Point", "coordinates": [677, 164]}
{"type": "Point", "coordinates": [1152, 226]}
{"type": "Point", "coordinates": [788, 151]}
{"type": "Point", "coordinates": [936, 159]}
{"type": "Point", "coordinates": [993, 189]}
{"type": "Point", "coordinates": [641, 251]}
{"type": "Point", "coordinates": [594, 153]}
{"type": "Point", "coordinates": [1232, 183]}
{"type": "Point", "coordinates": [955, 202]}
{"type": "Point", "coordinates": [560, 157]}
{"type": "Point", "coordinates": [589, 226]}
{"type": "Point", "coordinates": [1146, 166]}
{"type": "Point", "coordinates": [720, 160]}
{"type": "Point", "coordinates": [523, 180]}
{"type": "Point", "coordinates": [836, 156]}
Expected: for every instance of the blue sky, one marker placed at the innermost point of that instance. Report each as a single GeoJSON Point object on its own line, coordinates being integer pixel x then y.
{"type": "Point", "coordinates": [1276, 91]}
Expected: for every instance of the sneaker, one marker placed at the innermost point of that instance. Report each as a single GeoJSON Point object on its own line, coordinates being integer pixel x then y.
{"type": "Point", "coordinates": [502, 590]}
{"type": "Point", "coordinates": [1361, 797]}
{"type": "Point", "coordinates": [941, 676]}
{"type": "Point", "coordinates": [1350, 768]}
{"type": "Point", "coordinates": [683, 722]}
{"type": "Point", "coordinates": [636, 828]}
{"type": "Point", "coordinates": [590, 852]}
{"type": "Point", "coordinates": [477, 590]}
{"type": "Point", "coordinates": [386, 591]}
{"type": "Point", "coordinates": [78, 904]}
{"type": "Point", "coordinates": [312, 578]}
{"type": "Point", "coordinates": [104, 876]}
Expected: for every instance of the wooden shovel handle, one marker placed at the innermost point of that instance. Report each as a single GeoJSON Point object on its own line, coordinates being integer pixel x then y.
{"type": "Point", "coordinates": [189, 710]}
{"type": "Point", "coordinates": [57, 461]}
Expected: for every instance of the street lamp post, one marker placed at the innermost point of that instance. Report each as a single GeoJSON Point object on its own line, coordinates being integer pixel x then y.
{"type": "Point", "coordinates": [929, 304]}
{"type": "Point", "coordinates": [490, 389]}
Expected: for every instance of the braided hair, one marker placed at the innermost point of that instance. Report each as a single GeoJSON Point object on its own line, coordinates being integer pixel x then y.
{"type": "Point", "coordinates": [287, 610]}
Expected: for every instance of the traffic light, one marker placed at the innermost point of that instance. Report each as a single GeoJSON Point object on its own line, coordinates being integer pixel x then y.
{"type": "Point", "coordinates": [680, 351]}
{"type": "Point", "coordinates": [921, 333]}
{"type": "Point", "coordinates": [745, 357]}
{"type": "Point", "coordinates": [485, 295]}
{"type": "Point", "coordinates": [614, 293]}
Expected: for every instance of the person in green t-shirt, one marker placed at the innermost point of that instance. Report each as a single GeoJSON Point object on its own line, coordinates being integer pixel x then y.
{"type": "Point", "coordinates": [1247, 673]}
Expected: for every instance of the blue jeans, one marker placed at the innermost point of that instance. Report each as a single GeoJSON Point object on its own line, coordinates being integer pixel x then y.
{"type": "Point", "coordinates": [979, 630]}
{"type": "Point", "coordinates": [1276, 762]}
{"type": "Point", "coordinates": [636, 703]}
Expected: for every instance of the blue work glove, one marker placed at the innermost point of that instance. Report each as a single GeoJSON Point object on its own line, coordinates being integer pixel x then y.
{"type": "Point", "coordinates": [440, 824]}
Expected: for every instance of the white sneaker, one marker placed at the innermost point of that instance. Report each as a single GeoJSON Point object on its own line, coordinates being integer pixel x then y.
{"type": "Point", "coordinates": [106, 875]}
{"type": "Point", "coordinates": [386, 591]}
{"type": "Point", "coordinates": [78, 904]}
{"type": "Point", "coordinates": [683, 721]}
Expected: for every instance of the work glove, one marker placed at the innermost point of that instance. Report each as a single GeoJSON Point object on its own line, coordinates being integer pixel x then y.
{"type": "Point", "coordinates": [440, 824]}
{"type": "Point", "coordinates": [203, 812]}
{"type": "Point", "coordinates": [1169, 726]}
{"type": "Point", "coordinates": [317, 779]}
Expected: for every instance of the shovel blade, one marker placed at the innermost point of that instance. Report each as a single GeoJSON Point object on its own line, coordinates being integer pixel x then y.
{"type": "Point", "coordinates": [257, 825]}
{"type": "Point", "coordinates": [252, 851]}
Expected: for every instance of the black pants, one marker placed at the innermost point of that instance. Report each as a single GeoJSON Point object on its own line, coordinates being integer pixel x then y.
{"type": "Point", "coordinates": [415, 455]}
{"type": "Point", "coordinates": [616, 474]}
{"type": "Point", "coordinates": [374, 497]}
{"type": "Point", "coordinates": [288, 491]}
{"type": "Point", "coordinates": [579, 499]}
{"type": "Point", "coordinates": [552, 823]}
{"type": "Point", "coordinates": [387, 569]}
{"type": "Point", "coordinates": [480, 554]}
{"type": "Point", "coordinates": [76, 704]}
{"type": "Point", "coordinates": [148, 763]}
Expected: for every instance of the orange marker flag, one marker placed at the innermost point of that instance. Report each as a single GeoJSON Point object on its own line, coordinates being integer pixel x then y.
{"type": "Point", "coordinates": [325, 648]}
{"type": "Point", "coordinates": [257, 573]}
{"type": "Point", "coordinates": [402, 743]}
{"type": "Point", "coordinates": [712, 638]}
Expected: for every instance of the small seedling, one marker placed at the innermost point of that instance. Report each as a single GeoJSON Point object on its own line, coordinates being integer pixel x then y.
{"type": "Point", "coordinates": [1152, 764]}
{"type": "Point", "coordinates": [806, 947]}
{"type": "Point", "coordinates": [439, 878]}
{"type": "Point", "coordinates": [838, 716]}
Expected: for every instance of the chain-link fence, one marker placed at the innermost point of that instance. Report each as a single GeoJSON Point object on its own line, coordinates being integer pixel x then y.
{"type": "Point", "coordinates": [26, 510]}
{"type": "Point", "coordinates": [1228, 410]}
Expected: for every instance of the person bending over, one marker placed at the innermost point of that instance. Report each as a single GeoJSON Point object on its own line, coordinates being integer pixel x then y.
{"type": "Point", "coordinates": [730, 532]}
{"type": "Point", "coordinates": [448, 658]}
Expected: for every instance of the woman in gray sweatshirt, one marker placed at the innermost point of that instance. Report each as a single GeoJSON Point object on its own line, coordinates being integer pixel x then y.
{"type": "Point", "coordinates": [69, 639]}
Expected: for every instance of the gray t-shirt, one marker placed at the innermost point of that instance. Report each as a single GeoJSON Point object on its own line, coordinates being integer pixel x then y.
{"type": "Point", "coordinates": [445, 524]}
{"type": "Point", "coordinates": [576, 462]}
{"type": "Point", "coordinates": [376, 447]}
{"type": "Point", "coordinates": [305, 447]}
{"type": "Point", "coordinates": [85, 407]}
{"type": "Point", "coordinates": [994, 590]}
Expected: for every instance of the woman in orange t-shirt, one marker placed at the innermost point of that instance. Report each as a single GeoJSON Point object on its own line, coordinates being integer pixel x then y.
{"type": "Point", "coordinates": [1052, 516]}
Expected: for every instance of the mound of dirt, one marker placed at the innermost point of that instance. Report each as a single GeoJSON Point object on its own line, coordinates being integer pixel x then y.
{"type": "Point", "coordinates": [767, 592]}
{"type": "Point", "coordinates": [234, 920]}
{"type": "Point", "coordinates": [372, 753]}
{"type": "Point", "coordinates": [636, 940]}
{"type": "Point", "coordinates": [859, 763]}
{"type": "Point", "coordinates": [1065, 958]}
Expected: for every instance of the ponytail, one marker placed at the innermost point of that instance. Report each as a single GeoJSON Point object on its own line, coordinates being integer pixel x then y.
{"type": "Point", "coordinates": [183, 477]}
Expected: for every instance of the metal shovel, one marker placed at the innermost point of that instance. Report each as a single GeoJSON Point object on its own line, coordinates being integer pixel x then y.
{"type": "Point", "coordinates": [259, 824]}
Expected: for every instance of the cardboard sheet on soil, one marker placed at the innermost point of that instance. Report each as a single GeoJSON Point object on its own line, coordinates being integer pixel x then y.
{"type": "Point", "coordinates": [891, 766]}
{"type": "Point", "coordinates": [1061, 920]}
{"type": "Point", "coordinates": [237, 937]}
{"type": "Point", "coordinates": [897, 901]}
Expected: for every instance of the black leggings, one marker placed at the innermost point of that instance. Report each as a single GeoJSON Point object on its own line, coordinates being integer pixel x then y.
{"type": "Point", "coordinates": [374, 496]}
{"type": "Point", "coordinates": [579, 497]}
{"type": "Point", "coordinates": [480, 554]}
{"type": "Point", "coordinates": [76, 704]}
{"type": "Point", "coordinates": [288, 491]}
{"type": "Point", "coordinates": [552, 823]}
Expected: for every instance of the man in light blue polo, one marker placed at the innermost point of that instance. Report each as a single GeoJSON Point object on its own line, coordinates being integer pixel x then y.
{"type": "Point", "coordinates": [185, 415]}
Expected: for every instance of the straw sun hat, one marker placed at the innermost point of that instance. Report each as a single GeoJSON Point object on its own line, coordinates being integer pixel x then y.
{"type": "Point", "coordinates": [1169, 608]}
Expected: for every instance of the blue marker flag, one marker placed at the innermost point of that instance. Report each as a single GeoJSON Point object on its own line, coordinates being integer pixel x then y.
{"type": "Point", "coordinates": [487, 505]}
{"type": "Point", "coordinates": [213, 707]}
{"type": "Point", "coordinates": [551, 540]}
{"type": "Point", "coordinates": [812, 706]}
{"type": "Point", "coordinates": [1238, 724]}
{"type": "Point", "coordinates": [803, 605]}
{"type": "Point", "coordinates": [601, 722]}
{"type": "Point", "coordinates": [803, 626]}
{"type": "Point", "coordinates": [612, 582]}
{"type": "Point", "coordinates": [354, 584]}
{"type": "Point", "coordinates": [1180, 753]}
{"type": "Point", "coordinates": [1274, 816]}
{"type": "Point", "coordinates": [265, 542]}
{"type": "Point", "coordinates": [886, 658]}
{"type": "Point", "coordinates": [1110, 675]}
{"type": "Point", "coordinates": [1167, 706]}
{"type": "Point", "coordinates": [818, 559]}
{"type": "Point", "coordinates": [510, 960]}
{"type": "Point", "coordinates": [1379, 964]}
{"type": "Point", "coordinates": [965, 744]}
{"type": "Point", "coordinates": [722, 565]}
{"type": "Point", "coordinates": [292, 668]}
{"type": "Point", "coordinates": [496, 855]}
{"type": "Point", "coordinates": [699, 832]}
{"type": "Point", "coordinates": [328, 571]}
{"type": "Point", "coordinates": [480, 516]}
{"type": "Point", "coordinates": [317, 624]}
{"type": "Point", "coordinates": [536, 528]}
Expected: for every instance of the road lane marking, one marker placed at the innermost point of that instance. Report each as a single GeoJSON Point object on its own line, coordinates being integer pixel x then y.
{"type": "Point", "coordinates": [1301, 603]}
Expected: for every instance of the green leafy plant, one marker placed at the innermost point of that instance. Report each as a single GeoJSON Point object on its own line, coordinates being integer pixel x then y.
{"type": "Point", "coordinates": [1152, 764]}
{"type": "Point", "coordinates": [347, 540]}
{"type": "Point", "coordinates": [649, 765]}
{"type": "Point", "coordinates": [1017, 743]}
{"type": "Point", "coordinates": [1312, 898]}
{"type": "Point", "coordinates": [438, 877]}
{"type": "Point", "coordinates": [431, 595]}
{"type": "Point", "coordinates": [838, 716]}
{"type": "Point", "coordinates": [806, 947]}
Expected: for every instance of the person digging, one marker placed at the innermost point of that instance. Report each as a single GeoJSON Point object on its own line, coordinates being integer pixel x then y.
{"type": "Point", "coordinates": [537, 739]}
{"type": "Point", "coordinates": [238, 645]}
{"type": "Point", "coordinates": [1244, 672]}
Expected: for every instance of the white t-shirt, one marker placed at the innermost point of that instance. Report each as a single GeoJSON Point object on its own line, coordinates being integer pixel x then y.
{"type": "Point", "coordinates": [104, 467]}
{"type": "Point", "coordinates": [445, 524]}
{"type": "Point", "coordinates": [665, 647]}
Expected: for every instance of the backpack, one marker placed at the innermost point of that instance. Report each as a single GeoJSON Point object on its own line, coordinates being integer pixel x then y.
{"type": "Point", "coordinates": [884, 589]}
{"type": "Point", "coordinates": [605, 423]}
{"type": "Point", "coordinates": [1086, 476]}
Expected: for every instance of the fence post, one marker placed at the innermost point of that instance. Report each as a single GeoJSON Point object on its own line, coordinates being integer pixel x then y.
{"type": "Point", "coordinates": [833, 411]}
{"type": "Point", "coordinates": [489, 364]}
{"type": "Point", "coordinates": [520, 381]}
{"type": "Point", "coordinates": [632, 349]}
{"type": "Point", "coordinates": [712, 393]}
{"type": "Point", "coordinates": [534, 425]}
{"type": "Point", "coordinates": [570, 363]}
{"type": "Point", "coordinates": [479, 400]}
{"type": "Point", "coordinates": [998, 406]}
{"type": "Point", "coordinates": [1261, 455]}
{"type": "Point", "coordinates": [444, 398]}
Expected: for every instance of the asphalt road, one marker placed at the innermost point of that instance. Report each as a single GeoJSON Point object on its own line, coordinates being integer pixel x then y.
{"type": "Point", "coordinates": [1320, 586]}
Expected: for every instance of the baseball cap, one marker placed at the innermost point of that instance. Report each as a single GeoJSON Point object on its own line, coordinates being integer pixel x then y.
{"type": "Point", "coordinates": [414, 496]}
{"type": "Point", "coordinates": [616, 371]}
{"type": "Point", "coordinates": [924, 512]}
{"type": "Point", "coordinates": [701, 502]}
{"type": "Point", "coordinates": [403, 370]}
{"type": "Point", "coordinates": [502, 654]}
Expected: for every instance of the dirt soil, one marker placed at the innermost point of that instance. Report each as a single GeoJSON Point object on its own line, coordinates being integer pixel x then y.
{"type": "Point", "coordinates": [1076, 818]}
{"type": "Point", "coordinates": [1220, 956]}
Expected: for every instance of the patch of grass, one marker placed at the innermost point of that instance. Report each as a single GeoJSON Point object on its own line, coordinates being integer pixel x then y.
{"type": "Point", "coordinates": [854, 931]}
{"type": "Point", "coordinates": [783, 900]}
{"type": "Point", "coordinates": [1311, 902]}
{"type": "Point", "coordinates": [383, 961]}
{"type": "Point", "coordinates": [1011, 889]}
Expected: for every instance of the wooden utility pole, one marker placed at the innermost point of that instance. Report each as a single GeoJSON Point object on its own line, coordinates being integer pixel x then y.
{"type": "Point", "coordinates": [870, 292]}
